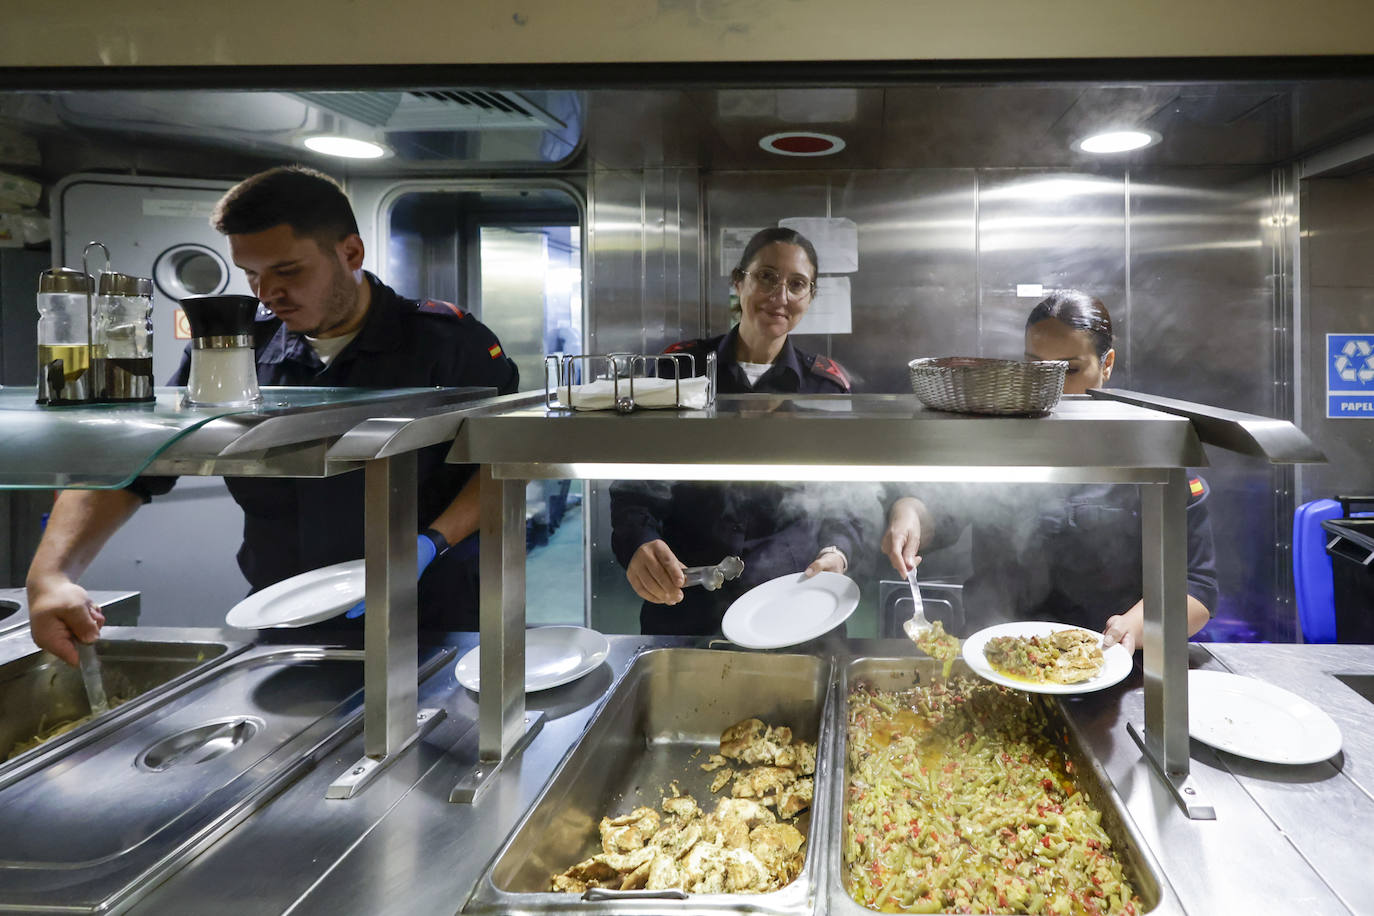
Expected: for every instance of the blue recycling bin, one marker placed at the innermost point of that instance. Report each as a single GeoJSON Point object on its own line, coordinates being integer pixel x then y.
{"type": "Point", "coordinates": [1318, 575]}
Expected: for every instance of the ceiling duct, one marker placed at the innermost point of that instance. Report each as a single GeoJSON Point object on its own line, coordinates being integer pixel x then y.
{"type": "Point", "coordinates": [447, 109]}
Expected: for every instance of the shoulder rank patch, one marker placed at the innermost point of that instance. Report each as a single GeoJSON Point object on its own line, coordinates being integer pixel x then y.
{"type": "Point", "coordinates": [1196, 487]}
{"type": "Point", "coordinates": [680, 347]}
{"type": "Point", "coordinates": [440, 307]}
{"type": "Point", "coordinates": [828, 367]}
{"type": "Point", "coordinates": [494, 350]}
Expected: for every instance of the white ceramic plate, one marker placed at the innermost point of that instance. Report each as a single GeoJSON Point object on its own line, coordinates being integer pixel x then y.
{"type": "Point", "coordinates": [1255, 719]}
{"type": "Point", "coordinates": [1116, 661]}
{"type": "Point", "coordinates": [308, 598]}
{"type": "Point", "coordinates": [790, 609]}
{"type": "Point", "coordinates": [553, 656]}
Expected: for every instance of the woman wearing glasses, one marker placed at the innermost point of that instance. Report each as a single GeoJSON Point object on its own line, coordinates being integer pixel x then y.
{"type": "Point", "coordinates": [660, 527]}
{"type": "Point", "coordinates": [1070, 554]}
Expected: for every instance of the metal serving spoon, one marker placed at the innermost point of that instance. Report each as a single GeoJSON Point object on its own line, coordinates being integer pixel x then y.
{"type": "Point", "coordinates": [918, 623]}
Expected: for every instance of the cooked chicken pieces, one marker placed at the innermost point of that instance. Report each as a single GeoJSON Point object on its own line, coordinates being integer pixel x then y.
{"type": "Point", "coordinates": [762, 782]}
{"type": "Point", "coordinates": [740, 847]}
{"type": "Point", "coordinates": [628, 832]}
{"type": "Point", "coordinates": [714, 762]}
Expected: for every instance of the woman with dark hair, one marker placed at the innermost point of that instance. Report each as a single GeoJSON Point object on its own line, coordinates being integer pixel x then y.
{"type": "Point", "coordinates": [1071, 554]}
{"type": "Point", "coordinates": [1074, 327]}
{"type": "Point", "coordinates": [658, 528]}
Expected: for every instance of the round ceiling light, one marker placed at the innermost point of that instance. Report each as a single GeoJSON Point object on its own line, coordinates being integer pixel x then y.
{"type": "Point", "coordinates": [1117, 141]}
{"type": "Point", "coordinates": [345, 147]}
{"type": "Point", "coordinates": [802, 143]}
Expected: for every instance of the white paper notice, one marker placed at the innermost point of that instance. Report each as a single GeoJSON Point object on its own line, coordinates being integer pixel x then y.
{"type": "Point", "coordinates": [830, 309]}
{"type": "Point", "coordinates": [732, 245]}
{"type": "Point", "coordinates": [836, 241]}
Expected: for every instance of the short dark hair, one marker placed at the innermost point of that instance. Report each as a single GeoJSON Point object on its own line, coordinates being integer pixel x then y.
{"type": "Point", "coordinates": [309, 201]}
{"type": "Point", "coordinates": [766, 237]}
{"type": "Point", "coordinates": [1079, 311]}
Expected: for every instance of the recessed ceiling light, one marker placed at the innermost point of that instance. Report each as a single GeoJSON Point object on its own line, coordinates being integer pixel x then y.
{"type": "Point", "coordinates": [1117, 141]}
{"type": "Point", "coordinates": [345, 147]}
{"type": "Point", "coordinates": [802, 143]}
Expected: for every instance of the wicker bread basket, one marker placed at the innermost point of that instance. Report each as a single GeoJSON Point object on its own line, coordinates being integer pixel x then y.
{"type": "Point", "coordinates": [992, 386]}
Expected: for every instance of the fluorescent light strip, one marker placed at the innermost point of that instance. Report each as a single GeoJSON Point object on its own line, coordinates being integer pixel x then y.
{"type": "Point", "coordinates": [823, 472]}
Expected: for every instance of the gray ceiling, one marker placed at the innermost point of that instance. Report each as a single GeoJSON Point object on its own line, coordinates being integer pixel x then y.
{"type": "Point", "coordinates": [920, 126]}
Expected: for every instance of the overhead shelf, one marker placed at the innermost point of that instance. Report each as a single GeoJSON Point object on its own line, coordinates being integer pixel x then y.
{"type": "Point", "coordinates": [107, 446]}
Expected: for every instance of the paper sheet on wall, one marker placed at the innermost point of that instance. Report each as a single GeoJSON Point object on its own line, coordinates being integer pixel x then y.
{"type": "Point", "coordinates": [830, 310]}
{"type": "Point", "coordinates": [732, 244]}
{"type": "Point", "coordinates": [836, 241]}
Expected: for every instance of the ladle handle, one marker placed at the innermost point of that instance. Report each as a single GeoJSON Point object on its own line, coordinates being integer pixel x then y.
{"type": "Point", "coordinates": [90, 675]}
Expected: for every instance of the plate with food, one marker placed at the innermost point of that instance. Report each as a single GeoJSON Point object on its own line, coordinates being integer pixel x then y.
{"type": "Point", "coordinates": [1045, 657]}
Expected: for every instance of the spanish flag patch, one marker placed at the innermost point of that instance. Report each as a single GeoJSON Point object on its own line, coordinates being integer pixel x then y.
{"type": "Point", "coordinates": [1195, 486]}
{"type": "Point", "coordinates": [494, 350]}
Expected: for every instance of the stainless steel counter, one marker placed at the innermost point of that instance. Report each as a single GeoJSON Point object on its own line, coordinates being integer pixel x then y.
{"type": "Point", "coordinates": [1285, 839]}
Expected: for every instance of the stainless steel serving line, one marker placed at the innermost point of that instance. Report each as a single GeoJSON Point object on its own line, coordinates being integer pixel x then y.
{"type": "Point", "coordinates": [1286, 839]}
{"type": "Point", "coordinates": [296, 432]}
{"type": "Point", "coordinates": [867, 437]}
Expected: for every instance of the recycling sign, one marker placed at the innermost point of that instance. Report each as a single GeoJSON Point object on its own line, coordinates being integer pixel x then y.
{"type": "Point", "coordinates": [1350, 375]}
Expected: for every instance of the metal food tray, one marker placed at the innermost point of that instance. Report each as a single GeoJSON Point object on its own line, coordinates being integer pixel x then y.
{"type": "Point", "coordinates": [1139, 865]}
{"type": "Point", "coordinates": [105, 818]}
{"type": "Point", "coordinates": [670, 705]}
{"type": "Point", "coordinates": [38, 690]}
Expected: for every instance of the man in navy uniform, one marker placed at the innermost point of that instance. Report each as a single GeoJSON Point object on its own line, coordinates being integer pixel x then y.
{"type": "Point", "coordinates": [324, 321]}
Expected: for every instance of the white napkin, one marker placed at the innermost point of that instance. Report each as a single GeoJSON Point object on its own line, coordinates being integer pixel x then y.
{"type": "Point", "coordinates": [649, 392]}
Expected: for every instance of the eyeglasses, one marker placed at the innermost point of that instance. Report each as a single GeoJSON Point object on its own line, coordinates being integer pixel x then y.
{"type": "Point", "coordinates": [798, 287]}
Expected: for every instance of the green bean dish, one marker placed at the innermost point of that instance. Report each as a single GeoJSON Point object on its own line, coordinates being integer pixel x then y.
{"type": "Point", "coordinates": [957, 802]}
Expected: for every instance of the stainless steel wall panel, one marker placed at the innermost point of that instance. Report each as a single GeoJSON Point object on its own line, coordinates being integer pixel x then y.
{"type": "Point", "coordinates": [1338, 298]}
{"type": "Point", "coordinates": [915, 293]}
{"type": "Point", "coordinates": [1201, 325]}
{"type": "Point", "coordinates": [643, 265]}
{"type": "Point", "coordinates": [1058, 229]}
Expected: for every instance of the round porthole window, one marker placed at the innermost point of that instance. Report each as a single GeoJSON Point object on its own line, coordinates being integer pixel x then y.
{"type": "Point", "coordinates": [190, 270]}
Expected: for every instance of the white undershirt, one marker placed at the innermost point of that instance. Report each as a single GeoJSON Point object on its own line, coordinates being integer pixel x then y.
{"type": "Point", "coordinates": [754, 371]}
{"type": "Point", "coordinates": [326, 348]}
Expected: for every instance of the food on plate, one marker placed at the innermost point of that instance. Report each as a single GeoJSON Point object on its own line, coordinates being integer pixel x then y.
{"type": "Point", "coordinates": [957, 801]}
{"type": "Point", "coordinates": [938, 644]}
{"type": "Point", "coordinates": [1062, 657]}
{"type": "Point", "coordinates": [744, 845]}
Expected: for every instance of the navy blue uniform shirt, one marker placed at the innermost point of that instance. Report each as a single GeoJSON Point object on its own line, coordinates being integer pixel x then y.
{"type": "Point", "coordinates": [1070, 554]}
{"type": "Point", "coordinates": [775, 528]}
{"type": "Point", "coordinates": [292, 525]}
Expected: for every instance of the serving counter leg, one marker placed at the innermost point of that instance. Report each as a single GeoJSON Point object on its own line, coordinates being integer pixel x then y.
{"type": "Point", "coordinates": [1164, 549]}
{"type": "Point", "coordinates": [503, 726]}
{"type": "Point", "coordinates": [391, 721]}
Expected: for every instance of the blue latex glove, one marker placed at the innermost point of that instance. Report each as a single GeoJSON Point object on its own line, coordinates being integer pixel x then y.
{"type": "Point", "coordinates": [425, 552]}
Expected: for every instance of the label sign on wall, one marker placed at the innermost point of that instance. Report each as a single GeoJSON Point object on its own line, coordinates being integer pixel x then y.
{"type": "Point", "coordinates": [1350, 375]}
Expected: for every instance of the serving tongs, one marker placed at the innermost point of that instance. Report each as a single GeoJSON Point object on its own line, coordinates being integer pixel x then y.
{"type": "Point", "coordinates": [917, 625]}
{"type": "Point", "coordinates": [713, 577]}
{"type": "Point", "coordinates": [90, 675]}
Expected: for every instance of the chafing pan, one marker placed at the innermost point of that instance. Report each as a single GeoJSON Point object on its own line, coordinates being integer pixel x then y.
{"type": "Point", "coordinates": [1139, 865]}
{"type": "Point", "coordinates": [659, 724]}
